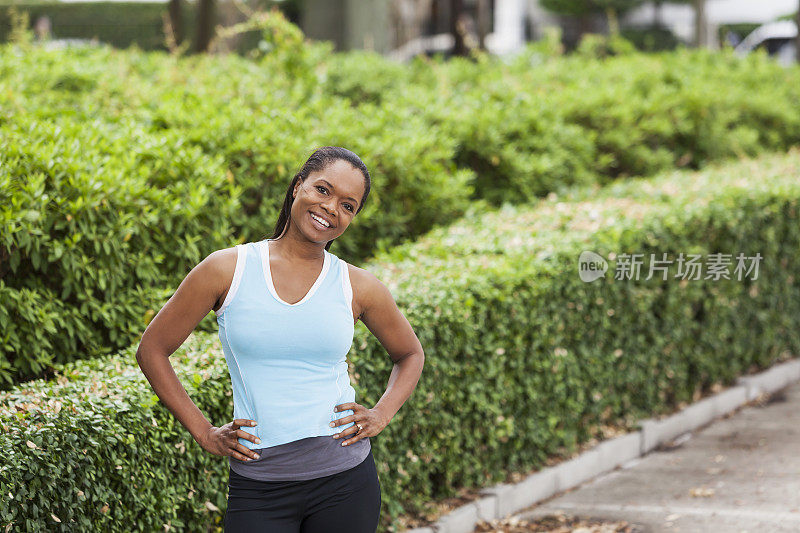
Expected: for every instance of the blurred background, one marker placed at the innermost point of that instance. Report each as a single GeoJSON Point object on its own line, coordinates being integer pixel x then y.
{"type": "Point", "coordinates": [403, 28]}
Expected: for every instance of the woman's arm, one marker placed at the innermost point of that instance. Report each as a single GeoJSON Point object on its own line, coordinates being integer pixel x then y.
{"type": "Point", "coordinates": [383, 318]}
{"type": "Point", "coordinates": [197, 295]}
{"type": "Point", "coordinates": [380, 314]}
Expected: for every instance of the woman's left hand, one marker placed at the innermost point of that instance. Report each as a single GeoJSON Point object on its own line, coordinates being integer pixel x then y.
{"type": "Point", "coordinates": [372, 421]}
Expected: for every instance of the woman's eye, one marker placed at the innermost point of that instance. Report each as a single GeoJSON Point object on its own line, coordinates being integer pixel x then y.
{"type": "Point", "coordinates": [322, 189]}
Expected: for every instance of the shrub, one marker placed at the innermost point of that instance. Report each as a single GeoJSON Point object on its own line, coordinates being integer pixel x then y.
{"type": "Point", "coordinates": [98, 223]}
{"type": "Point", "coordinates": [147, 167]}
{"type": "Point", "coordinates": [436, 135]}
{"type": "Point", "coordinates": [523, 360]}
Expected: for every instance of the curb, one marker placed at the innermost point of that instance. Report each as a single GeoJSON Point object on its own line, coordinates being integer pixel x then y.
{"type": "Point", "coordinates": [505, 499]}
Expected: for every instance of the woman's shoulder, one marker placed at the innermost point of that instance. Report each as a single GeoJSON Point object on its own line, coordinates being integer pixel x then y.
{"type": "Point", "coordinates": [222, 261]}
{"type": "Point", "coordinates": [221, 266]}
{"type": "Point", "coordinates": [364, 284]}
{"type": "Point", "coordinates": [358, 276]}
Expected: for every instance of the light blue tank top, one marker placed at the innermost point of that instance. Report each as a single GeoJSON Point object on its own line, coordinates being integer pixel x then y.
{"type": "Point", "coordinates": [287, 362]}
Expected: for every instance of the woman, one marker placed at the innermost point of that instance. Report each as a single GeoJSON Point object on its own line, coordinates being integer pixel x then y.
{"type": "Point", "coordinates": [298, 445]}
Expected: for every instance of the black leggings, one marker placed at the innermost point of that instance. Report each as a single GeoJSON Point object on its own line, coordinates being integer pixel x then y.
{"type": "Point", "coordinates": [348, 501]}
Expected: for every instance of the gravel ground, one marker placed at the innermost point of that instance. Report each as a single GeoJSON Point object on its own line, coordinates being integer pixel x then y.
{"type": "Point", "coordinates": [556, 523]}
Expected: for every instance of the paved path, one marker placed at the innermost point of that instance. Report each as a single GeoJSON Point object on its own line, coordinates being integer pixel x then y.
{"type": "Point", "coordinates": [741, 473]}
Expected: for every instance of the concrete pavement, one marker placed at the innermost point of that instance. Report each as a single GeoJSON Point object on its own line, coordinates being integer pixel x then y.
{"type": "Point", "coordinates": [739, 474]}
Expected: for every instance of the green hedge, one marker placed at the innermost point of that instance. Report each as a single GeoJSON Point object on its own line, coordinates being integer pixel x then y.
{"type": "Point", "coordinates": [97, 222]}
{"type": "Point", "coordinates": [543, 121]}
{"type": "Point", "coordinates": [523, 360]}
{"type": "Point", "coordinates": [98, 128]}
{"type": "Point", "coordinates": [436, 137]}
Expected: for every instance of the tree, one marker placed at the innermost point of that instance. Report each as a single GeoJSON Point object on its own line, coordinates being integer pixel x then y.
{"type": "Point", "coordinates": [205, 25]}
{"type": "Point", "coordinates": [583, 8]}
{"type": "Point", "coordinates": [797, 39]}
{"type": "Point", "coordinates": [457, 28]}
{"type": "Point", "coordinates": [700, 23]}
{"type": "Point", "coordinates": [175, 20]}
{"type": "Point", "coordinates": [657, 13]}
{"type": "Point", "coordinates": [483, 22]}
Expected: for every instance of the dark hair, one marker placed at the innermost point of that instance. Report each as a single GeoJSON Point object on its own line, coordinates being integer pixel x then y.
{"type": "Point", "coordinates": [317, 162]}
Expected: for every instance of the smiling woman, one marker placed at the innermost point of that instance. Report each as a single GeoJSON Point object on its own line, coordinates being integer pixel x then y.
{"type": "Point", "coordinates": [335, 184]}
{"type": "Point", "coordinates": [298, 446]}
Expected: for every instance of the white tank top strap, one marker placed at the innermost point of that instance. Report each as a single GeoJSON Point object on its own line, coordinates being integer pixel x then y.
{"type": "Point", "coordinates": [241, 257]}
{"type": "Point", "coordinates": [347, 287]}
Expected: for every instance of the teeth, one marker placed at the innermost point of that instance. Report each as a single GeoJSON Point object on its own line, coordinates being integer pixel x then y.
{"type": "Point", "coordinates": [315, 217]}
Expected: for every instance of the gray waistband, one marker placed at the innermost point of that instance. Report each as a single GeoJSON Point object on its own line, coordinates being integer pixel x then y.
{"type": "Point", "coordinates": [303, 459]}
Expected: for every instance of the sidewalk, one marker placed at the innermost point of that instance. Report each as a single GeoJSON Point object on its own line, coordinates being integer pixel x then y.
{"type": "Point", "coordinates": [741, 473]}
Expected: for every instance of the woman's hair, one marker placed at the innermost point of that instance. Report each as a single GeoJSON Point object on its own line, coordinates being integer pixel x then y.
{"type": "Point", "coordinates": [317, 162]}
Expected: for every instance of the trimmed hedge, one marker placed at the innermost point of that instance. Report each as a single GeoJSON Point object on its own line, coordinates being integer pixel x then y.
{"type": "Point", "coordinates": [436, 137]}
{"type": "Point", "coordinates": [97, 221]}
{"type": "Point", "coordinates": [523, 360]}
{"type": "Point", "coordinates": [102, 134]}
{"type": "Point", "coordinates": [263, 118]}
{"type": "Point", "coordinates": [543, 121]}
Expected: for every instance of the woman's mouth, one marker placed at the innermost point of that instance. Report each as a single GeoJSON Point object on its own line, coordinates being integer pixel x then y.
{"type": "Point", "coordinates": [318, 222]}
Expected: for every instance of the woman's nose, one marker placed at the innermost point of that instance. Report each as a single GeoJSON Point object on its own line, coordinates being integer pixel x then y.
{"type": "Point", "coordinates": [330, 207]}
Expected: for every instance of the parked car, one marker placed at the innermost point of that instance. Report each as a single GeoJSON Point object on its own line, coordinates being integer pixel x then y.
{"type": "Point", "coordinates": [777, 37]}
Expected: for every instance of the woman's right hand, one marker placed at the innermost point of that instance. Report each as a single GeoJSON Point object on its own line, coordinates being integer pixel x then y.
{"type": "Point", "coordinates": [225, 440]}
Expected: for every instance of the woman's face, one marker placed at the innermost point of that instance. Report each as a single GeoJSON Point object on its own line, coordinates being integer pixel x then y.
{"type": "Point", "coordinates": [332, 194]}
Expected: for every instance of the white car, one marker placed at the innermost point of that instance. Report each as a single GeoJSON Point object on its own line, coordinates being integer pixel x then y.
{"type": "Point", "coordinates": [777, 37]}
